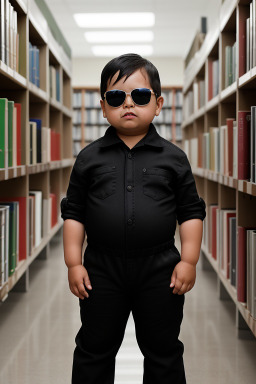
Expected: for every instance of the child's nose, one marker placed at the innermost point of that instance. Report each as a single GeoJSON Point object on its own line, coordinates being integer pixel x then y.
{"type": "Point", "coordinates": [128, 102]}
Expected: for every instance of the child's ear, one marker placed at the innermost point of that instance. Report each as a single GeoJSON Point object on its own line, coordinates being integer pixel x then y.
{"type": "Point", "coordinates": [102, 104]}
{"type": "Point", "coordinates": [159, 104]}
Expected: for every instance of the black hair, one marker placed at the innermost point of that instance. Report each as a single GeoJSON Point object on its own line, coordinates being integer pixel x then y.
{"type": "Point", "coordinates": [127, 64]}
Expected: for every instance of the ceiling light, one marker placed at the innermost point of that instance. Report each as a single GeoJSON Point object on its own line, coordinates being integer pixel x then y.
{"type": "Point", "coordinates": [116, 50]}
{"type": "Point", "coordinates": [119, 36]}
{"type": "Point", "coordinates": [115, 20]}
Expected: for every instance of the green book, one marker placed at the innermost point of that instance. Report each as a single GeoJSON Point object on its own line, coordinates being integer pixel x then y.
{"type": "Point", "coordinates": [3, 130]}
{"type": "Point", "coordinates": [10, 132]}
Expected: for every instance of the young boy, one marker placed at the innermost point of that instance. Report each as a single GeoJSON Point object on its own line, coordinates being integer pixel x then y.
{"type": "Point", "coordinates": [126, 191]}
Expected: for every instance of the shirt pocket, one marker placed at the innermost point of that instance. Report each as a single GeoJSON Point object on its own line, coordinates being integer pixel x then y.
{"type": "Point", "coordinates": [156, 183]}
{"type": "Point", "coordinates": [103, 181]}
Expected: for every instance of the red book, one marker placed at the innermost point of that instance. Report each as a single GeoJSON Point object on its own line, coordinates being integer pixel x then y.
{"type": "Point", "coordinates": [54, 209]}
{"type": "Point", "coordinates": [18, 107]}
{"type": "Point", "coordinates": [210, 80]}
{"type": "Point", "coordinates": [243, 152]}
{"type": "Point", "coordinates": [229, 123]}
{"type": "Point", "coordinates": [52, 145]}
{"type": "Point", "coordinates": [228, 243]}
{"type": "Point", "coordinates": [244, 13]}
{"type": "Point", "coordinates": [22, 224]}
{"type": "Point", "coordinates": [214, 229]}
{"type": "Point", "coordinates": [58, 145]}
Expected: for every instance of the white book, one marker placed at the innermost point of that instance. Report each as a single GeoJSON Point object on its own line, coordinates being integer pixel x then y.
{"type": "Point", "coordinates": [10, 36]}
{"type": "Point", "coordinates": [7, 36]}
{"type": "Point", "coordinates": [38, 216]}
{"type": "Point", "coordinates": [2, 35]}
{"type": "Point", "coordinates": [195, 89]}
{"type": "Point", "coordinates": [194, 152]}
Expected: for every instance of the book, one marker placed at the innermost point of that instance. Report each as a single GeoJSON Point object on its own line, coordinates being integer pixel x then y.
{"type": "Point", "coordinates": [17, 106]}
{"type": "Point", "coordinates": [38, 215]}
{"type": "Point", "coordinates": [38, 139]}
{"type": "Point", "coordinates": [22, 227]}
{"type": "Point", "coordinates": [3, 133]}
{"type": "Point", "coordinates": [10, 133]}
{"type": "Point", "coordinates": [13, 232]}
{"type": "Point", "coordinates": [243, 150]}
{"type": "Point", "coordinates": [4, 244]}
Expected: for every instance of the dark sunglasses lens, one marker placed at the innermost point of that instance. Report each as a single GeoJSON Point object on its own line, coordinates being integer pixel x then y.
{"type": "Point", "coordinates": [141, 96]}
{"type": "Point", "coordinates": [115, 98]}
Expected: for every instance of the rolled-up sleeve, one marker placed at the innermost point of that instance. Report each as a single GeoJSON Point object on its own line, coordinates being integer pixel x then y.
{"type": "Point", "coordinates": [73, 205]}
{"type": "Point", "coordinates": [189, 204]}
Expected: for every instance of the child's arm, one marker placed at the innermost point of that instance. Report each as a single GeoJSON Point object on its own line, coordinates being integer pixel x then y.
{"type": "Point", "coordinates": [73, 214]}
{"type": "Point", "coordinates": [73, 237]}
{"type": "Point", "coordinates": [184, 274]}
{"type": "Point", "coordinates": [191, 211]}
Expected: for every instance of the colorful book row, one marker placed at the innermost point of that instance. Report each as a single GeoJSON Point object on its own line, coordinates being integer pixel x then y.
{"type": "Point", "coordinates": [44, 143]}
{"type": "Point", "coordinates": [13, 232]}
{"type": "Point", "coordinates": [229, 150]}
{"type": "Point", "coordinates": [234, 249]}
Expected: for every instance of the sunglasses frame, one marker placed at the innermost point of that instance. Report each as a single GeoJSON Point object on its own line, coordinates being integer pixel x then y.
{"type": "Point", "coordinates": [129, 93]}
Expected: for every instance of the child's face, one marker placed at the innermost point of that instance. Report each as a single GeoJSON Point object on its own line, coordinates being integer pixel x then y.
{"type": "Point", "coordinates": [141, 116]}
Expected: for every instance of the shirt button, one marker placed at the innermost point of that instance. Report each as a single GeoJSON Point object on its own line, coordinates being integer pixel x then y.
{"type": "Point", "coordinates": [129, 188]}
{"type": "Point", "coordinates": [129, 221]}
{"type": "Point", "coordinates": [129, 155]}
{"type": "Point", "coordinates": [144, 169]}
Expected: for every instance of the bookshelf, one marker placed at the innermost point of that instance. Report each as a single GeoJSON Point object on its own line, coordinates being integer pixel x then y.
{"type": "Point", "coordinates": [36, 157]}
{"type": "Point", "coordinates": [89, 124]}
{"type": "Point", "coordinates": [218, 132]}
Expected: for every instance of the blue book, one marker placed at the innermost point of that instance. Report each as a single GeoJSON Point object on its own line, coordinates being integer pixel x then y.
{"type": "Point", "coordinates": [37, 69]}
{"type": "Point", "coordinates": [57, 84]}
{"type": "Point", "coordinates": [30, 62]}
{"type": "Point", "coordinates": [38, 139]}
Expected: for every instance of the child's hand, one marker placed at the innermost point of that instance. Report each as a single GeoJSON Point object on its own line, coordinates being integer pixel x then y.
{"type": "Point", "coordinates": [183, 277]}
{"type": "Point", "coordinates": [77, 277]}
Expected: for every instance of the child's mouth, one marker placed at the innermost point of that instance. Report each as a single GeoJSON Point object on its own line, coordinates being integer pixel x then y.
{"type": "Point", "coordinates": [129, 115]}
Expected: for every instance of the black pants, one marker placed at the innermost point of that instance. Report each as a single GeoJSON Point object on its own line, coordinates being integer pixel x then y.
{"type": "Point", "coordinates": [140, 285]}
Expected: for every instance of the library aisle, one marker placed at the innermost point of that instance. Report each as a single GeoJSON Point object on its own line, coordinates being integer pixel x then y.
{"type": "Point", "coordinates": [37, 331]}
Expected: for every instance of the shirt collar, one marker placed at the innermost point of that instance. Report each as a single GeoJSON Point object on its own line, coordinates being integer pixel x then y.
{"type": "Point", "coordinates": [151, 138]}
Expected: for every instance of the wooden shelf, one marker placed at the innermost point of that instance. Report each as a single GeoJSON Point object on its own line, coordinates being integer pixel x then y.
{"type": "Point", "coordinates": [48, 177]}
{"type": "Point", "coordinates": [217, 188]}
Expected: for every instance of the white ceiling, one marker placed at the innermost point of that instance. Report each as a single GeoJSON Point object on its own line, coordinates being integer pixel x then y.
{"type": "Point", "coordinates": [175, 26]}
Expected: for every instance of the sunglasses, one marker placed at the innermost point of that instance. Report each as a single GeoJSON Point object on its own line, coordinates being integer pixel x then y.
{"type": "Point", "coordinates": [141, 96]}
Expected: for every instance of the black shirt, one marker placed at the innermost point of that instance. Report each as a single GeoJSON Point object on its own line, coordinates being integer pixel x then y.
{"type": "Point", "coordinates": [130, 199]}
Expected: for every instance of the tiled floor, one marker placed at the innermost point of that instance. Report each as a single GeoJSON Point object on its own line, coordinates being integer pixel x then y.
{"type": "Point", "coordinates": [37, 331]}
